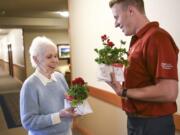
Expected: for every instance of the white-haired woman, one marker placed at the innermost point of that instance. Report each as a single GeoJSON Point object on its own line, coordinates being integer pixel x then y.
{"type": "Point", "coordinates": [42, 95]}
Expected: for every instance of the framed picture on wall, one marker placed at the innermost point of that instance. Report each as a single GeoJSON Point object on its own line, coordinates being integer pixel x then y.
{"type": "Point", "coordinates": [63, 51]}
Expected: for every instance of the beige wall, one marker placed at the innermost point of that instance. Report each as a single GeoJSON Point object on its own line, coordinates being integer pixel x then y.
{"type": "Point", "coordinates": [106, 119]}
{"type": "Point", "coordinates": [89, 19]}
{"type": "Point", "coordinates": [57, 36]}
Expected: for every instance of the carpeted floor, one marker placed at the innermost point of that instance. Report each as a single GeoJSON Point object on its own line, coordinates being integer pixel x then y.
{"type": "Point", "coordinates": [9, 84]}
{"type": "Point", "coordinates": [10, 107]}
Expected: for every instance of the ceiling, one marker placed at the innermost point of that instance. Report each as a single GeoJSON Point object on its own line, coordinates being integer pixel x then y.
{"type": "Point", "coordinates": [32, 14]}
{"type": "Point", "coordinates": [31, 8]}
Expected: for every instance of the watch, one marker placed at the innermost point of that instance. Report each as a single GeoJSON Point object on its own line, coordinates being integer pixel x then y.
{"type": "Point", "coordinates": [124, 93]}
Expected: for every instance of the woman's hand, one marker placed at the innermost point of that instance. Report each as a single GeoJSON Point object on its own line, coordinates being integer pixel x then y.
{"type": "Point", "coordinates": [67, 112]}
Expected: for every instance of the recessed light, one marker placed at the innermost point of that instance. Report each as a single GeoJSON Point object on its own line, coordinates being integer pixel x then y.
{"type": "Point", "coordinates": [63, 13]}
{"type": "Point", "coordinates": [2, 12]}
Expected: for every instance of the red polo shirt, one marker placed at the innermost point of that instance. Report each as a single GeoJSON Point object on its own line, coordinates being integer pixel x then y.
{"type": "Point", "coordinates": [152, 55]}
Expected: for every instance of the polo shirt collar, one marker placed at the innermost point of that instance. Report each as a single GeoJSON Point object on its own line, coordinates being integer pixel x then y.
{"type": "Point", "coordinates": [143, 30]}
{"type": "Point", "coordinates": [43, 78]}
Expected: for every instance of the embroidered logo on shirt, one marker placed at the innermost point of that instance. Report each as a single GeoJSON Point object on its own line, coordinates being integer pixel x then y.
{"type": "Point", "coordinates": [167, 66]}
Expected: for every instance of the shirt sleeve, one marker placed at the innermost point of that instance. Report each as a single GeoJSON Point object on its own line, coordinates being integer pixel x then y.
{"type": "Point", "coordinates": [162, 55]}
{"type": "Point", "coordinates": [55, 118]}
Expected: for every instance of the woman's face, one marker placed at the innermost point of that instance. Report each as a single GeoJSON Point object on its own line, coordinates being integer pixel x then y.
{"type": "Point", "coordinates": [47, 60]}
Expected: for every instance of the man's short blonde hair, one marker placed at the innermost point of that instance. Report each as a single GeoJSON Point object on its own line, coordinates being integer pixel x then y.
{"type": "Point", "coordinates": [139, 4]}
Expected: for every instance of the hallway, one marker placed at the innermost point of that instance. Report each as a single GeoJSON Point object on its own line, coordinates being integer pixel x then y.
{"type": "Point", "coordinates": [9, 105]}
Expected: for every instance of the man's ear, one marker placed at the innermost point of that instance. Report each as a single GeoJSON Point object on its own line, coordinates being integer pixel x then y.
{"type": "Point", "coordinates": [35, 58]}
{"type": "Point", "coordinates": [131, 10]}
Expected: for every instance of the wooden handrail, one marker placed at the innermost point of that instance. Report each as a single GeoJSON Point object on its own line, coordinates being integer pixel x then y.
{"type": "Point", "coordinates": [105, 96]}
{"type": "Point", "coordinates": [177, 120]}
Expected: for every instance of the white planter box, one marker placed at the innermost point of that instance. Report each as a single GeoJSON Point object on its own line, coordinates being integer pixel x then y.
{"type": "Point", "coordinates": [119, 72]}
{"type": "Point", "coordinates": [81, 109]}
{"type": "Point", "coordinates": [104, 72]}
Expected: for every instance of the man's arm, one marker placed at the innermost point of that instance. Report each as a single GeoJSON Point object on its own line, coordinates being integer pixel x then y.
{"type": "Point", "coordinates": [165, 90]}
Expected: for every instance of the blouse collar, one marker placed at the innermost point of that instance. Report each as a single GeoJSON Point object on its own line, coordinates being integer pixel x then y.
{"type": "Point", "coordinates": [43, 78]}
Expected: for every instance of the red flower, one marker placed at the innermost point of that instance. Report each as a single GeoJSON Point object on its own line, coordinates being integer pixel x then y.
{"type": "Point", "coordinates": [78, 81]}
{"type": "Point", "coordinates": [106, 41]}
{"type": "Point", "coordinates": [109, 43]}
{"type": "Point", "coordinates": [77, 92]}
{"type": "Point", "coordinates": [111, 54]}
{"type": "Point", "coordinates": [103, 37]}
{"type": "Point", "coordinates": [68, 97]}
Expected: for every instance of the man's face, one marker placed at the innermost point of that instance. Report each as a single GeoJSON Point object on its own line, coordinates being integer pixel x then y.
{"type": "Point", "coordinates": [48, 60]}
{"type": "Point", "coordinates": [122, 18]}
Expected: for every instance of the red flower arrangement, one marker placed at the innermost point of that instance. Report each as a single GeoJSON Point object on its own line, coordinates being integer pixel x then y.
{"type": "Point", "coordinates": [78, 92]}
{"type": "Point", "coordinates": [106, 41]}
{"type": "Point", "coordinates": [78, 81]}
{"type": "Point", "coordinates": [110, 54]}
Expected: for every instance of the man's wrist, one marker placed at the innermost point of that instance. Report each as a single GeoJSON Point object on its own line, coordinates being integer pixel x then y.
{"type": "Point", "coordinates": [124, 93]}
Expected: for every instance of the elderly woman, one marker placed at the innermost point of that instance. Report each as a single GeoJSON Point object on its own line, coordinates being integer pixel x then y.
{"type": "Point", "coordinates": [42, 94]}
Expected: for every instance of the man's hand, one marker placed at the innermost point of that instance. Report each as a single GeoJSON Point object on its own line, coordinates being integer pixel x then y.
{"type": "Point", "coordinates": [117, 87]}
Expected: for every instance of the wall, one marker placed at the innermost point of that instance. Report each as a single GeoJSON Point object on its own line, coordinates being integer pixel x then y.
{"type": "Point", "coordinates": [106, 119]}
{"type": "Point", "coordinates": [57, 36]}
{"type": "Point", "coordinates": [14, 37]}
{"type": "Point", "coordinates": [18, 71]}
{"type": "Point", "coordinates": [89, 19]}
{"type": "Point", "coordinates": [87, 24]}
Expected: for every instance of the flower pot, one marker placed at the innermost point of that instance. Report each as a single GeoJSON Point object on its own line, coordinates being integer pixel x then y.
{"type": "Point", "coordinates": [118, 70]}
{"type": "Point", "coordinates": [104, 72]}
{"type": "Point", "coordinates": [81, 109]}
{"type": "Point", "coordinates": [67, 103]}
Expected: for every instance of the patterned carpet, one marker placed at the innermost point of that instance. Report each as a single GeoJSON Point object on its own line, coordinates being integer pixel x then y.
{"type": "Point", "coordinates": [10, 106]}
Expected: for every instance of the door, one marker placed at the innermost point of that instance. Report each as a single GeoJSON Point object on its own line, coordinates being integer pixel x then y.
{"type": "Point", "coordinates": [10, 58]}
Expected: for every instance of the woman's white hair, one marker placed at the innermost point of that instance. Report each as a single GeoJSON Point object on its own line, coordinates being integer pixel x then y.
{"type": "Point", "coordinates": [38, 44]}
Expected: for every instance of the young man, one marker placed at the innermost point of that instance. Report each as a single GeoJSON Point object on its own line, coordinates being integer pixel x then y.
{"type": "Point", "coordinates": [151, 79]}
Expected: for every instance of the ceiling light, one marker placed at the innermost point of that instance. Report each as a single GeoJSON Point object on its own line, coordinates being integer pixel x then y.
{"type": "Point", "coordinates": [2, 12]}
{"type": "Point", "coordinates": [63, 13]}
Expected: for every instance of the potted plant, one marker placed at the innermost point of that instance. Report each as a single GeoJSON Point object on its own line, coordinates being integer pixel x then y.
{"type": "Point", "coordinates": [76, 97]}
{"type": "Point", "coordinates": [110, 59]}
{"type": "Point", "coordinates": [78, 92]}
